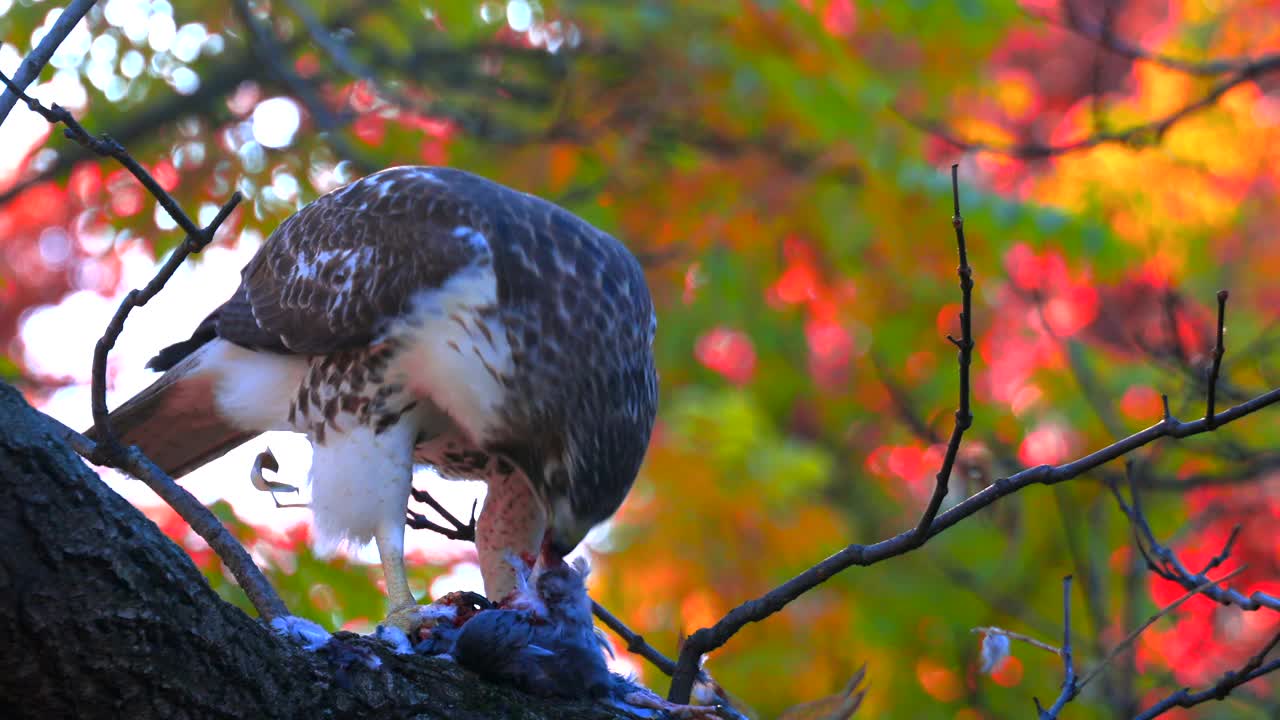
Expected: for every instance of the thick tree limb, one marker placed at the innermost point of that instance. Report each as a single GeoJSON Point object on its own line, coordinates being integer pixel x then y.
{"type": "Point", "coordinates": [104, 617]}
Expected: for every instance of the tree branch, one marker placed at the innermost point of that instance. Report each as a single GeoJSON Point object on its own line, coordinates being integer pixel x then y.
{"type": "Point", "coordinates": [964, 416]}
{"type": "Point", "coordinates": [35, 61]}
{"type": "Point", "coordinates": [1218, 351]}
{"type": "Point", "coordinates": [1104, 35]}
{"type": "Point", "coordinates": [1164, 562]}
{"type": "Point", "coordinates": [1132, 636]}
{"type": "Point", "coordinates": [709, 638]}
{"type": "Point", "coordinates": [1252, 669]}
{"type": "Point", "coordinates": [635, 642]}
{"type": "Point", "coordinates": [1143, 134]}
{"type": "Point", "coordinates": [1068, 663]}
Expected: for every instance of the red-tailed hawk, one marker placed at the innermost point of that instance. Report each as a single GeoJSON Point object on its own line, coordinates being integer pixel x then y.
{"type": "Point", "coordinates": [425, 315]}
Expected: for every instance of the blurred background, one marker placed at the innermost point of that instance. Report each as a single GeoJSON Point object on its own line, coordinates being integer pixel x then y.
{"type": "Point", "coordinates": [780, 167]}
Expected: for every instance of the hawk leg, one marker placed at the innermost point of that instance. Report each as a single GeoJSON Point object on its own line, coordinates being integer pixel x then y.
{"type": "Point", "coordinates": [512, 523]}
{"type": "Point", "coordinates": [401, 605]}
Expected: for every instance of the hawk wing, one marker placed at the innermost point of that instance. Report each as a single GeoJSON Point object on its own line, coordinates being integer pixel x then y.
{"type": "Point", "coordinates": [333, 275]}
{"type": "Point", "coordinates": [330, 278]}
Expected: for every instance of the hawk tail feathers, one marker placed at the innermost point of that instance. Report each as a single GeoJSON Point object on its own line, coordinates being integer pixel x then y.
{"type": "Point", "coordinates": [175, 421]}
{"type": "Point", "coordinates": [170, 356]}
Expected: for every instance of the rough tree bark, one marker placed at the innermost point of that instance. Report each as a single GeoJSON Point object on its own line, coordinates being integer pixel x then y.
{"type": "Point", "coordinates": [102, 616]}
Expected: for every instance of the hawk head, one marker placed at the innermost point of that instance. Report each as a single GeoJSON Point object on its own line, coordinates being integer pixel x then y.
{"type": "Point", "coordinates": [584, 479]}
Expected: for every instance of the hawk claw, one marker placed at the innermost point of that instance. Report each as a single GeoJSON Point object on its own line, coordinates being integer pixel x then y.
{"type": "Point", "coordinates": [266, 460]}
{"type": "Point", "coordinates": [643, 699]}
{"type": "Point", "coordinates": [459, 531]}
{"type": "Point", "coordinates": [409, 620]}
{"type": "Point", "coordinates": [415, 621]}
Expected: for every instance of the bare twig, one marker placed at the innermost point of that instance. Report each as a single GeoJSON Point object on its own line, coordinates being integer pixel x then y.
{"type": "Point", "coordinates": [1252, 669]}
{"type": "Point", "coordinates": [1069, 687]}
{"type": "Point", "coordinates": [35, 61]}
{"type": "Point", "coordinates": [902, 402]}
{"type": "Point", "coordinates": [1218, 351]}
{"type": "Point", "coordinates": [197, 238]}
{"type": "Point", "coordinates": [1143, 134]}
{"type": "Point", "coordinates": [964, 417]}
{"type": "Point", "coordinates": [635, 642]}
{"type": "Point", "coordinates": [1104, 35]}
{"type": "Point", "coordinates": [1131, 637]}
{"type": "Point", "coordinates": [1164, 562]}
{"type": "Point", "coordinates": [108, 443]}
{"type": "Point", "coordinates": [1019, 637]}
{"type": "Point", "coordinates": [107, 147]}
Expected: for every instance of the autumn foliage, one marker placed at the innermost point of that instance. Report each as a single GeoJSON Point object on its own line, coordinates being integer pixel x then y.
{"type": "Point", "coordinates": [767, 162]}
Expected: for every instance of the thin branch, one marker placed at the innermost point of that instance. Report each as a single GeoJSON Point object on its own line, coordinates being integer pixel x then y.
{"type": "Point", "coordinates": [1104, 35]}
{"type": "Point", "coordinates": [1131, 637]}
{"type": "Point", "coordinates": [197, 238]}
{"type": "Point", "coordinates": [1164, 562]}
{"type": "Point", "coordinates": [1252, 669]}
{"type": "Point", "coordinates": [1218, 351]}
{"type": "Point", "coordinates": [35, 61]}
{"type": "Point", "coordinates": [1069, 687]}
{"type": "Point", "coordinates": [107, 147]}
{"type": "Point", "coordinates": [902, 402]}
{"type": "Point", "coordinates": [755, 610]}
{"type": "Point", "coordinates": [108, 444]}
{"type": "Point", "coordinates": [1020, 638]}
{"type": "Point", "coordinates": [1143, 134]}
{"type": "Point", "coordinates": [635, 642]}
{"type": "Point", "coordinates": [964, 416]}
